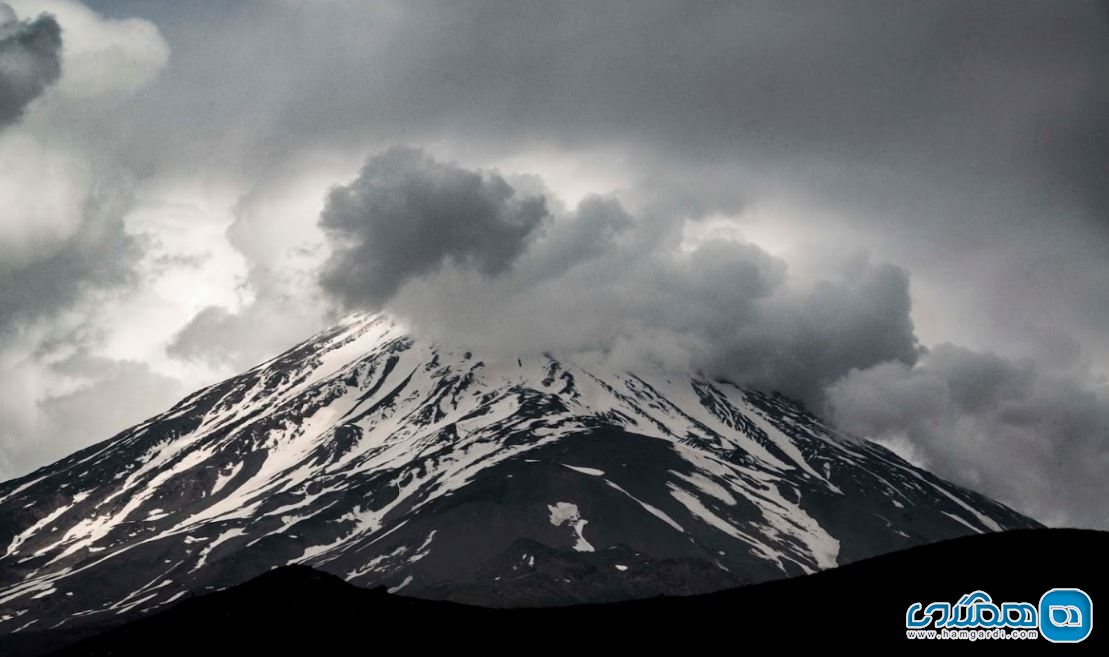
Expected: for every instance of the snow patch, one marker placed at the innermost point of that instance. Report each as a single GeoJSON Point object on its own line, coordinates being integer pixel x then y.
{"type": "Point", "coordinates": [656, 512]}
{"type": "Point", "coordinates": [567, 513]}
{"type": "Point", "coordinates": [593, 472]}
{"type": "Point", "coordinates": [222, 479]}
{"type": "Point", "coordinates": [398, 587]}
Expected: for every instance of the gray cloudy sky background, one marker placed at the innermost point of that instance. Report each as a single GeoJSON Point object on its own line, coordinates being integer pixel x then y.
{"type": "Point", "coordinates": [894, 211]}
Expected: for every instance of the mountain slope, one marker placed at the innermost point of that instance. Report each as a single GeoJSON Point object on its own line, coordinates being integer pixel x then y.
{"type": "Point", "coordinates": [388, 461]}
{"type": "Point", "coordinates": [861, 604]}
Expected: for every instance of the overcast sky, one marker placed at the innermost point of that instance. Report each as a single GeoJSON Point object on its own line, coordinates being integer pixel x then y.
{"type": "Point", "coordinates": [893, 211]}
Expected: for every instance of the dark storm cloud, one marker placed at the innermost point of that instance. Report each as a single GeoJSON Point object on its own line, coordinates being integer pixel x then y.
{"type": "Point", "coordinates": [820, 336]}
{"type": "Point", "coordinates": [406, 215]}
{"type": "Point", "coordinates": [30, 61]}
{"type": "Point", "coordinates": [595, 278]}
{"type": "Point", "coordinates": [589, 232]}
{"type": "Point", "coordinates": [740, 316]}
{"type": "Point", "coordinates": [1007, 428]}
{"type": "Point", "coordinates": [911, 83]}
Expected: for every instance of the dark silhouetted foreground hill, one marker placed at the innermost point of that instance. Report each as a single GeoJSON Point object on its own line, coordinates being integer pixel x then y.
{"type": "Point", "coordinates": [297, 610]}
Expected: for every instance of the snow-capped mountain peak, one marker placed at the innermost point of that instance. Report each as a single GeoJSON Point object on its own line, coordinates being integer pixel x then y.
{"type": "Point", "coordinates": [371, 454]}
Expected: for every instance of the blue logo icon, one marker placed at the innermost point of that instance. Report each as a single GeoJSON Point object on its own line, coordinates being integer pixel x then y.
{"type": "Point", "coordinates": [1066, 615]}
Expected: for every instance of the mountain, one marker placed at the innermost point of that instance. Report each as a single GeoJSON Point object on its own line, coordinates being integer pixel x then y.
{"type": "Point", "coordinates": [388, 461]}
{"type": "Point", "coordinates": [295, 609]}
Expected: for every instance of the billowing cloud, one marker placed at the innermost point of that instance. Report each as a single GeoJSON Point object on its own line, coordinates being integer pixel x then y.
{"type": "Point", "coordinates": [436, 241]}
{"type": "Point", "coordinates": [407, 215]}
{"type": "Point", "coordinates": [30, 61]}
{"type": "Point", "coordinates": [44, 191]}
{"type": "Point", "coordinates": [64, 236]}
{"type": "Point", "coordinates": [102, 56]}
{"type": "Point", "coordinates": [65, 194]}
{"type": "Point", "coordinates": [1004, 427]}
{"type": "Point", "coordinates": [67, 254]}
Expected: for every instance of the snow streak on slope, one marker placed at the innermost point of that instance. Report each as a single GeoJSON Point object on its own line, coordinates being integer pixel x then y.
{"type": "Point", "coordinates": [389, 461]}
